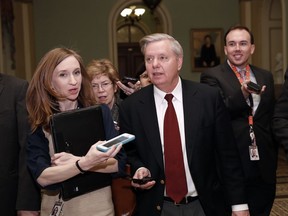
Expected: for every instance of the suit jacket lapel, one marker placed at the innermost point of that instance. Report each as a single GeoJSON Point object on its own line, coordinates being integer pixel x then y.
{"type": "Point", "coordinates": [230, 75]}
{"type": "Point", "coordinates": [1, 83]}
{"type": "Point", "coordinates": [192, 114]}
{"type": "Point", "coordinates": [260, 80]}
{"type": "Point", "coordinates": [150, 124]}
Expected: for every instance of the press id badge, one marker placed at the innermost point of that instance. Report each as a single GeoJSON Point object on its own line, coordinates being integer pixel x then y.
{"type": "Point", "coordinates": [57, 208]}
{"type": "Point", "coordinates": [254, 154]}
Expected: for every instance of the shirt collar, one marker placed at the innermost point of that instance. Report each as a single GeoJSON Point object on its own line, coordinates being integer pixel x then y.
{"type": "Point", "coordinates": [230, 64]}
{"type": "Point", "coordinates": [177, 92]}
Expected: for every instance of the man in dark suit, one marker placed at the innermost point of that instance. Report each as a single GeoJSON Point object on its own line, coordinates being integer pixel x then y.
{"type": "Point", "coordinates": [251, 114]}
{"type": "Point", "coordinates": [18, 191]}
{"type": "Point", "coordinates": [280, 117]}
{"type": "Point", "coordinates": [211, 162]}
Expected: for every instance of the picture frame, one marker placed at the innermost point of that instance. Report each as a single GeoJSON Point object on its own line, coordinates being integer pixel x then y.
{"type": "Point", "coordinates": [204, 56]}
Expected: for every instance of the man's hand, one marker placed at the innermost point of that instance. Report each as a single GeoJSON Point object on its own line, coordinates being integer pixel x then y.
{"type": "Point", "coordinates": [139, 174]}
{"type": "Point", "coordinates": [131, 89]}
{"type": "Point", "coordinates": [28, 213]}
{"type": "Point", "coordinates": [241, 213]}
{"type": "Point", "coordinates": [246, 92]}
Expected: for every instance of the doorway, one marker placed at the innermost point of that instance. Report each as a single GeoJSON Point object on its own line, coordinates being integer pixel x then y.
{"type": "Point", "coordinates": [129, 52]}
{"type": "Point", "coordinates": [129, 59]}
{"type": "Point", "coordinates": [125, 51]}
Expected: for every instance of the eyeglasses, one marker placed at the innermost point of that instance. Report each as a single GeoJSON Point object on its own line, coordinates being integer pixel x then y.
{"type": "Point", "coordinates": [104, 85]}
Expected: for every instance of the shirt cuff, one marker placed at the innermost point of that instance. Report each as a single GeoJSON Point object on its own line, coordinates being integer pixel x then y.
{"type": "Point", "coordinates": [240, 207]}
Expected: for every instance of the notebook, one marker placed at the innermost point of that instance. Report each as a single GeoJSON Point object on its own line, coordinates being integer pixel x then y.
{"type": "Point", "coordinates": [74, 132]}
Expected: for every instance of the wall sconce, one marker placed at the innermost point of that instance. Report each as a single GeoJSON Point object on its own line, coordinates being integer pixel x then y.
{"type": "Point", "coordinates": [132, 14]}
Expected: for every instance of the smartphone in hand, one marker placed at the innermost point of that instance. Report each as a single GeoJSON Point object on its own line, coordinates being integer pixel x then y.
{"type": "Point", "coordinates": [127, 79]}
{"type": "Point", "coordinates": [254, 87]}
{"type": "Point", "coordinates": [121, 139]}
{"type": "Point", "coordinates": [143, 180]}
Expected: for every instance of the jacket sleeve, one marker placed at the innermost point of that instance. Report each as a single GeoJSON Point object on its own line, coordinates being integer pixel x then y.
{"type": "Point", "coordinates": [280, 117]}
{"type": "Point", "coordinates": [28, 197]}
{"type": "Point", "coordinates": [111, 132]}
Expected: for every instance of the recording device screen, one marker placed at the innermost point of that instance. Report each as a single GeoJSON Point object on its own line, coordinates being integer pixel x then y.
{"type": "Point", "coordinates": [120, 139]}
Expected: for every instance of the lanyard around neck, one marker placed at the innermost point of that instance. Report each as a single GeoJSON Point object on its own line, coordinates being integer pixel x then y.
{"type": "Point", "coordinates": [241, 80]}
{"type": "Point", "coordinates": [237, 73]}
{"type": "Point", "coordinates": [250, 117]}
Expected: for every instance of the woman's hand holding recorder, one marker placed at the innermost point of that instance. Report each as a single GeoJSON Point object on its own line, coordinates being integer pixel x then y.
{"type": "Point", "coordinates": [94, 157]}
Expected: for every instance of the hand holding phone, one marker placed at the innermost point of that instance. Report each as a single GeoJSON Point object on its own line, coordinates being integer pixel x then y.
{"type": "Point", "coordinates": [126, 79]}
{"type": "Point", "coordinates": [121, 139]}
{"type": "Point", "coordinates": [143, 180]}
{"type": "Point", "coordinates": [254, 87]}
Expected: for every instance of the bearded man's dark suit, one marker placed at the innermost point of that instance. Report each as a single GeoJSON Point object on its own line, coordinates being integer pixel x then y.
{"type": "Point", "coordinates": [210, 147]}
{"type": "Point", "coordinates": [280, 118]}
{"type": "Point", "coordinates": [17, 188]}
{"type": "Point", "coordinates": [256, 172]}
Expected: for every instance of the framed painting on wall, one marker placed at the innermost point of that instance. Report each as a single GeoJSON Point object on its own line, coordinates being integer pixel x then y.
{"type": "Point", "coordinates": [206, 48]}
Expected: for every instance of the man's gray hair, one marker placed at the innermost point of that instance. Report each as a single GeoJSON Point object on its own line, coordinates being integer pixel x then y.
{"type": "Point", "coordinates": [175, 45]}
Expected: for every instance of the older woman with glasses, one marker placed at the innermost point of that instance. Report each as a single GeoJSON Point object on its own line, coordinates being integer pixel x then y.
{"type": "Point", "coordinates": [103, 77]}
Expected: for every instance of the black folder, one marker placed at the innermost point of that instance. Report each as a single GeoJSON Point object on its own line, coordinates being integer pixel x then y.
{"type": "Point", "coordinates": [74, 132]}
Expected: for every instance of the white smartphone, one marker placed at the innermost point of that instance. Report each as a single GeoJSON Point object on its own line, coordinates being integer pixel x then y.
{"type": "Point", "coordinates": [121, 139]}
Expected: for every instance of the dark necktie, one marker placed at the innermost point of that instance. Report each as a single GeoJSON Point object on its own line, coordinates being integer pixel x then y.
{"type": "Point", "coordinates": [176, 184]}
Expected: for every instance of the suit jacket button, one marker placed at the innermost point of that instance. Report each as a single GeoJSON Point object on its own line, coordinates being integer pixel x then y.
{"type": "Point", "coordinates": [158, 208]}
{"type": "Point", "coordinates": [162, 182]}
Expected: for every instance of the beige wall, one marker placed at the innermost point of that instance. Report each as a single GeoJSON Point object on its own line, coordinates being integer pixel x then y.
{"type": "Point", "coordinates": [84, 26]}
